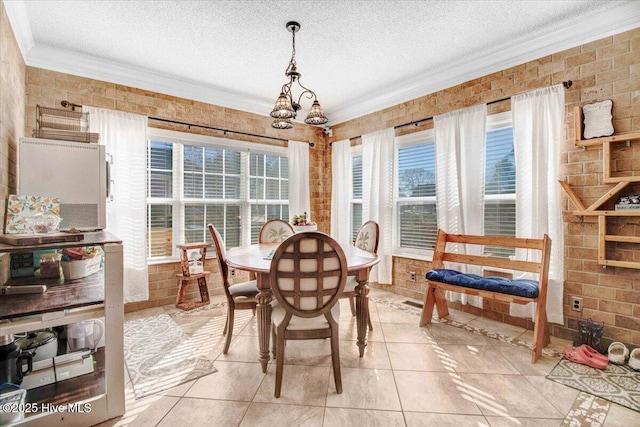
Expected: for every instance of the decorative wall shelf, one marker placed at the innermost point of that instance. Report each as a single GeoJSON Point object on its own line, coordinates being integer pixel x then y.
{"type": "Point", "coordinates": [607, 143]}
{"type": "Point", "coordinates": [595, 209]}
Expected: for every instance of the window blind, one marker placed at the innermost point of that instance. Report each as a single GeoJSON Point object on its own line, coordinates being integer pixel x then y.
{"type": "Point", "coordinates": [500, 181]}
{"type": "Point", "coordinates": [416, 201]}
{"type": "Point", "coordinates": [356, 204]}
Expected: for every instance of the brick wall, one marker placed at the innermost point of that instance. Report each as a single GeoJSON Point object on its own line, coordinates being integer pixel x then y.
{"type": "Point", "coordinates": [604, 69]}
{"type": "Point", "coordinates": [49, 88]}
{"type": "Point", "coordinates": [12, 103]}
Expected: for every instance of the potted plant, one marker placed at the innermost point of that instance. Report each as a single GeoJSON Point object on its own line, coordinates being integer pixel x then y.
{"type": "Point", "coordinates": [301, 223]}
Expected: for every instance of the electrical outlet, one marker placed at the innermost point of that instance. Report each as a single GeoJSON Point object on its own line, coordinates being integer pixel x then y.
{"type": "Point", "coordinates": [413, 276]}
{"type": "Point", "coordinates": [233, 272]}
{"type": "Point", "coordinates": [576, 303]}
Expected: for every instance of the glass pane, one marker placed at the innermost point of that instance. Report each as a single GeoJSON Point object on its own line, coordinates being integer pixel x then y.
{"type": "Point", "coordinates": [232, 162]}
{"type": "Point", "coordinates": [357, 176]}
{"type": "Point", "coordinates": [215, 216]}
{"type": "Point", "coordinates": [192, 158]}
{"type": "Point", "coordinates": [213, 187]}
{"type": "Point", "coordinates": [161, 155]}
{"type": "Point", "coordinates": [284, 167]}
{"type": "Point", "coordinates": [284, 189]}
{"type": "Point", "coordinates": [214, 160]}
{"type": "Point", "coordinates": [258, 218]}
{"type": "Point", "coordinates": [256, 190]}
{"type": "Point", "coordinates": [256, 162]}
{"type": "Point", "coordinates": [500, 174]}
{"type": "Point", "coordinates": [273, 189]}
{"type": "Point", "coordinates": [418, 225]}
{"type": "Point", "coordinates": [159, 224]}
{"type": "Point", "coordinates": [160, 184]}
{"type": "Point", "coordinates": [232, 226]}
{"type": "Point", "coordinates": [194, 223]}
{"type": "Point", "coordinates": [272, 166]}
{"type": "Point", "coordinates": [356, 219]}
{"type": "Point", "coordinates": [192, 184]}
{"type": "Point", "coordinates": [232, 187]}
{"type": "Point", "coordinates": [500, 215]}
{"type": "Point", "coordinates": [417, 171]}
{"type": "Point", "coordinates": [500, 220]}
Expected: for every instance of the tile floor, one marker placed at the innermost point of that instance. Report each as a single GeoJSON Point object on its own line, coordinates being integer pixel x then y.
{"type": "Point", "coordinates": [439, 375]}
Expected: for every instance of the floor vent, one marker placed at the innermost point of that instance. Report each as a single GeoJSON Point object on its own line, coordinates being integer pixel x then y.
{"type": "Point", "coordinates": [413, 304]}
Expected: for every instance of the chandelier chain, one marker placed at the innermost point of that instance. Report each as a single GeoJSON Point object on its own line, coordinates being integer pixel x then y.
{"type": "Point", "coordinates": [286, 107]}
{"type": "Point", "coordinates": [292, 61]}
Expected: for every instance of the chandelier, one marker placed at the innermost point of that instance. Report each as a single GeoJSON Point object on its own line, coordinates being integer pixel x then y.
{"type": "Point", "coordinates": [286, 107]}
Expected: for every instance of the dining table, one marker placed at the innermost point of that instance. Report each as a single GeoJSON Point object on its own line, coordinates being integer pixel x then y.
{"type": "Point", "coordinates": [256, 258]}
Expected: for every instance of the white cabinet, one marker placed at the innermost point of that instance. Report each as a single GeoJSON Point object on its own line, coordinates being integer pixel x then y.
{"type": "Point", "coordinates": [72, 301]}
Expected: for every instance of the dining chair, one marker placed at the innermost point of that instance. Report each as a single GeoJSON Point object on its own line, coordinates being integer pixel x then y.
{"type": "Point", "coordinates": [240, 296]}
{"type": "Point", "coordinates": [367, 240]}
{"type": "Point", "coordinates": [275, 231]}
{"type": "Point", "coordinates": [308, 273]}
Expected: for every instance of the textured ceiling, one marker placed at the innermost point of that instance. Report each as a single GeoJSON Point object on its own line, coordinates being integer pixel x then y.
{"type": "Point", "coordinates": [358, 56]}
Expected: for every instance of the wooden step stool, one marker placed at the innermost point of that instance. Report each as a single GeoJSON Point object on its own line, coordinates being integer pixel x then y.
{"type": "Point", "coordinates": [186, 277]}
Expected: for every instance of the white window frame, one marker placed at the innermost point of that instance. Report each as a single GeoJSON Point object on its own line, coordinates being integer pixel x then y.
{"type": "Point", "coordinates": [404, 141]}
{"type": "Point", "coordinates": [178, 201]}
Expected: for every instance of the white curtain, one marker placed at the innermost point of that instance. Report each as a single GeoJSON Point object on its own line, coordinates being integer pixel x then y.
{"type": "Point", "coordinates": [538, 118]}
{"type": "Point", "coordinates": [299, 200]}
{"type": "Point", "coordinates": [341, 191]}
{"type": "Point", "coordinates": [125, 138]}
{"type": "Point", "coordinates": [460, 158]}
{"type": "Point", "coordinates": [377, 196]}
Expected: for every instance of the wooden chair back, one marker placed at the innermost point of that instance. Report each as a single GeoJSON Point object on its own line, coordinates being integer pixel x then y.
{"type": "Point", "coordinates": [308, 274]}
{"type": "Point", "coordinates": [275, 231]}
{"type": "Point", "coordinates": [221, 254]}
{"type": "Point", "coordinates": [368, 237]}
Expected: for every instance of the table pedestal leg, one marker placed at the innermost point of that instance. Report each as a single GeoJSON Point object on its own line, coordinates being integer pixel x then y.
{"type": "Point", "coordinates": [362, 309]}
{"type": "Point", "coordinates": [263, 312]}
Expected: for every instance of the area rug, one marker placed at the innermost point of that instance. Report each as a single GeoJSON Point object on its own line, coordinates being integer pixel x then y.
{"type": "Point", "coordinates": [159, 355]}
{"type": "Point", "coordinates": [617, 383]}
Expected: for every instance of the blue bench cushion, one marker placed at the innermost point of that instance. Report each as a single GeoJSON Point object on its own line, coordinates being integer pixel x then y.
{"type": "Point", "coordinates": [520, 287]}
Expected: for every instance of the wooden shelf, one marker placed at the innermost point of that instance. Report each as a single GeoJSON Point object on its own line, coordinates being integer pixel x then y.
{"type": "Point", "coordinates": [606, 213]}
{"type": "Point", "coordinates": [595, 209]}
{"type": "Point", "coordinates": [61, 294]}
{"type": "Point", "coordinates": [621, 239]}
{"type": "Point", "coordinates": [620, 137]}
{"type": "Point", "coordinates": [606, 142]}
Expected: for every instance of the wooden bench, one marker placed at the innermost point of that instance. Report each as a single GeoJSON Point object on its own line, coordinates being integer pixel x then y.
{"type": "Point", "coordinates": [500, 289]}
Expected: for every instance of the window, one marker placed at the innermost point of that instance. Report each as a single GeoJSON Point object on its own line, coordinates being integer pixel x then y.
{"type": "Point", "coordinates": [194, 181]}
{"type": "Point", "coordinates": [356, 201]}
{"type": "Point", "coordinates": [160, 190]}
{"type": "Point", "coordinates": [269, 190]}
{"type": "Point", "coordinates": [500, 182]}
{"type": "Point", "coordinates": [416, 216]}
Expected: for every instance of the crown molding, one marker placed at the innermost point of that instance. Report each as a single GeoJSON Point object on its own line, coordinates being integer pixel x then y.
{"type": "Point", "coordinates": [17, 14]}
{"type": "Point", "coordinates": [64, 61]}
{"type": "Point", "coordinates": [597, 25]}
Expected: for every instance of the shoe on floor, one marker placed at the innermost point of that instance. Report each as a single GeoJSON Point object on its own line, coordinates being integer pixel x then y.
{"type": "Point", "coordinates": [618, 353]}
{"type": "Point", "coordinates": [592, 352]}
{"type": "Point", "coordinates": [634, 359]}
{"type": "Point", "coordinates": [577, 355]}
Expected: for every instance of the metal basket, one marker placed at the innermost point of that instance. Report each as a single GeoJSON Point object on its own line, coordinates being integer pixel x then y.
{"type": "Point", "coordinates": [66, 125]}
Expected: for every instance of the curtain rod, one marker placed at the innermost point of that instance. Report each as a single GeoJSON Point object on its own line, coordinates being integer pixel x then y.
{"type": "Point", "coordinates": [311, 144]}
{"type": "Point", "coordinates": [567, 84]}
{"type": "Point", "coordinates": [67, 104]}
